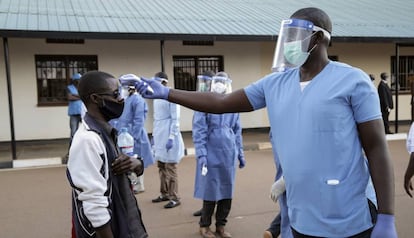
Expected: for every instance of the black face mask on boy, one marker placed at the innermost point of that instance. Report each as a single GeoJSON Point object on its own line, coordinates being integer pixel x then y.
{"type": "Point", "coordinates": [111, 109]}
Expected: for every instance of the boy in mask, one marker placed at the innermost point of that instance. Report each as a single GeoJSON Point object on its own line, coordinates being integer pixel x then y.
{"type": "Point", "coordinates": [103, 203]}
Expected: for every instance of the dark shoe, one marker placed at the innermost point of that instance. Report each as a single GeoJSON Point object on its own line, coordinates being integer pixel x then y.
{"type": "Point", "coordinates": [197, 213]}
{"type": "Point", "coordinates": [205, 232]}
{"type": "Point", "coordinates": [222, 233]}
{"type": "Point", "coordinates": [160, 199]}
{"type": "Point", "coordinates": [172, 204]}
{"type": "Point", "coordinates": [137, 191]}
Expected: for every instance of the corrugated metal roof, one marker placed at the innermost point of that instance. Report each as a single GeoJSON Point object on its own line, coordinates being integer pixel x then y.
{"type": "Point", "coordinates": [220, 19]}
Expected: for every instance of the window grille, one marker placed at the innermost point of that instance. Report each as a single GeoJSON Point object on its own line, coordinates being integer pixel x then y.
{"type": "Point", "coordinates": [406, 74]}
{"type": "Point", "coordinates": [53, 75]}
{"type": "Point", "coordinates": [186, 69]}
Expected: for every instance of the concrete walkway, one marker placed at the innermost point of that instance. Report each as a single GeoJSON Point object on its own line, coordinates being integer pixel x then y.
{"type": "Point", "coordinates": [51, 152]}
{"type": "Point", "coordinates": [36, 201]}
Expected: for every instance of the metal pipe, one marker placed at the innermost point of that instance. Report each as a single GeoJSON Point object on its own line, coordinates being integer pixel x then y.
{"type": "Point", "coordinates": [162, 55]}
{"type": "Point", "coordinates": [9, 92]}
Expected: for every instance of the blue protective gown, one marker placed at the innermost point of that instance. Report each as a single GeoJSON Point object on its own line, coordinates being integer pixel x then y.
{"type": "Point", "coordinates": [133, 117]}
{"type": "Point", "coordinates": [217, 136]}
{"type": "Point", "coordinates": [167, 125]}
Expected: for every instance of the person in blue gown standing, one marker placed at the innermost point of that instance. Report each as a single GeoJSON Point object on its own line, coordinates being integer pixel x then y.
{"type": "Point", "coordinates": [133, 117]}
{"type": "Point", "coordinates": [218, 143]}
{"type": "Point", "coordinates": [168, 146]}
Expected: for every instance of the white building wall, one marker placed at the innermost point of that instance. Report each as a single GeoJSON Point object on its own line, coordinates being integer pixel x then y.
{"type": "Point", "coordinates": [246, 62]}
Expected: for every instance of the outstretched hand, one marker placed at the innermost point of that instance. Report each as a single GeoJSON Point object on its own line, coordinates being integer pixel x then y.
{"type": "Point", "coordinates": [159, 90]}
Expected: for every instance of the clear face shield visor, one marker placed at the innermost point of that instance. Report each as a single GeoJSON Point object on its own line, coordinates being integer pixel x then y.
{"type": "Point", "coordinates": [221, 85]}
{"type": "Point", "coordinates": [126, 90]}
{"type": "Point", "coordinates": [203, 83]}
{"type": "Point", "coordinates": [292, 48]}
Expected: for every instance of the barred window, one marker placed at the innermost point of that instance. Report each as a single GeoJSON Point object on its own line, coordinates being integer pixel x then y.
{"type": "Point", "coordinates": [53, 75]}
{"type": "Point", "coordinates": [406, 74]}
{"type": "Point", "coordinates": [186, 69]}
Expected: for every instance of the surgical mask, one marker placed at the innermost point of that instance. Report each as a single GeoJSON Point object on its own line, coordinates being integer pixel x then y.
{"type": "Point", "coordinates": [218, 87]}
{"type": "Point", "coordinates": [202, 87]}
{"type": "Point", "coordinates": [294, 54]}
{"type": "Point", "coordinates": [203, 83]}
{"type": "Point", "coordinates": [111, 109]}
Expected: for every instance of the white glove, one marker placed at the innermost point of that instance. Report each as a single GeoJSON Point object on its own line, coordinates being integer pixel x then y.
{"type": "Point", "coordinates": [277, 189]}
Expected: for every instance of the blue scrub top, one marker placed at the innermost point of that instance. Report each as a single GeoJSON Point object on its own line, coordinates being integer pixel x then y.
{"type": "Point", "coordinates": [317, 141]}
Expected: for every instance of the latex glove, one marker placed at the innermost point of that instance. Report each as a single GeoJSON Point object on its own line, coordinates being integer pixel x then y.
{"type": "Point", "coordinates": [242, 161]}
{"type": "Point", "coordinates": [132, 79]}
{"type": "Point", "coordinates": [385, 227]}
{"type": "Point", "coordinates": [278, 188]}
{"type": "Point", "coordinates": [202, 160]}
{"type": "Point", "coordinates": [169, 144]}
{"type": "Point", "coordinates": [159, 90]}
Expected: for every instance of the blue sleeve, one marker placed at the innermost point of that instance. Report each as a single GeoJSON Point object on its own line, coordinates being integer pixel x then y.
{"type": "Point", "coordinates": [238, 132]}
{"type": "Point", "coordinates": [138, 114]}
{"type": "Point", "coordinates": [200, 133]}
{"type": "Point", "coordinates": [364, 98]}
{"type": "Point", "coordinates": [256, 95]}
{"type": "Point", "coordinates": [175, 119]}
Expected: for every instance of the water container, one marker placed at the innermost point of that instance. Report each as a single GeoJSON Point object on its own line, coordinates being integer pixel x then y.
{"type": "Point", "coordinates": [126, 142]}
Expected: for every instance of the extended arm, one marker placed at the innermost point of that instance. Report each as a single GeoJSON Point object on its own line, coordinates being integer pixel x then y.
{"type": "Point", "coordinates": [198, 101]}
{"type": "Point", "coordinates": [212, 102]}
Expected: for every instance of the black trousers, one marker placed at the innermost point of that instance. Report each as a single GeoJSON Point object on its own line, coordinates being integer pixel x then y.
{"type": "Point", "coordinates": [385, 115]}
{"type": "Point", "coordinates": [223, 210]}
{"type": "Point", "coordinates": [364, 234]}
{"type": "Point", "coordinates": [274, 227]}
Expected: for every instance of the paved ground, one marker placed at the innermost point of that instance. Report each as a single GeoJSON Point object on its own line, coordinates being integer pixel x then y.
{"type": "Point", "coordinates": [36, 202]}
{"type": "Point", "coordinates": [50, 152]}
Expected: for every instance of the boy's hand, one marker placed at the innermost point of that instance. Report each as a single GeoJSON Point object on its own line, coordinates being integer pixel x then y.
{"type": "Point", "coordinates": [124, 164]}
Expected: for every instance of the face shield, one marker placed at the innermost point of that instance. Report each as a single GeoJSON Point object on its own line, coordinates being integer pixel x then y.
{"type": "Point", "coordinates": [203, 83]}
{"type": "Point", "coordinates": [292, 48]}
{"type": "Point", "coordinates": [221, 84]}
{"type": "Point", "coordinates": [124, 91]}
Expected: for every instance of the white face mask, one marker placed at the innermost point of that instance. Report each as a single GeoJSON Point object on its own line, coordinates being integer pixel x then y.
{"type": "Point", "coordinates": [218, 88]}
